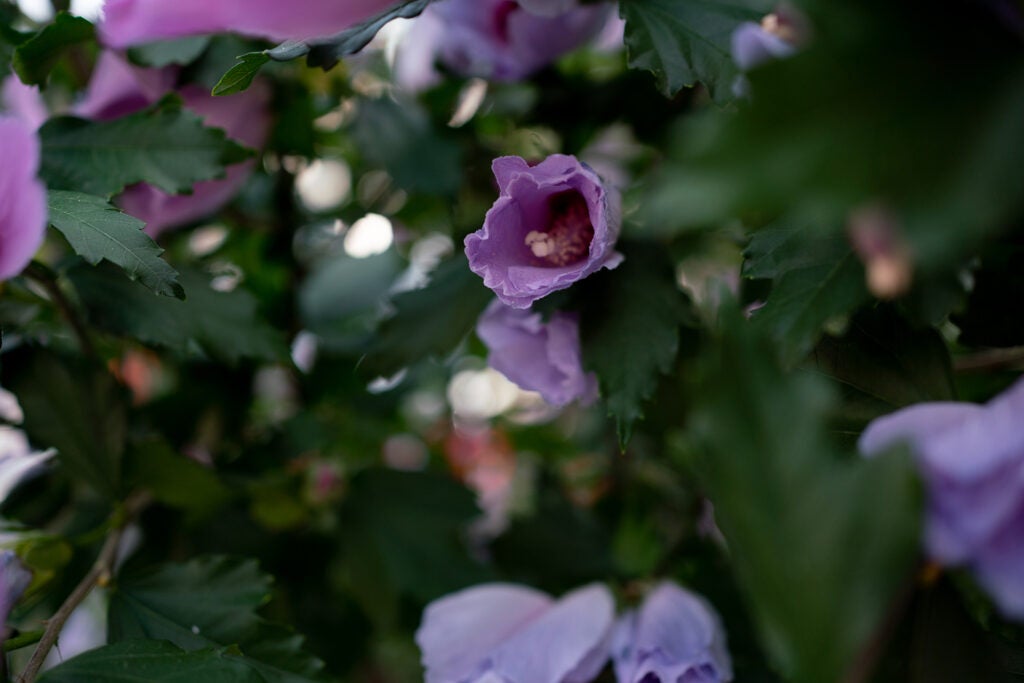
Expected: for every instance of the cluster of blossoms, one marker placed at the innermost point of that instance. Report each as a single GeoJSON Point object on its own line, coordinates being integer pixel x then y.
{"type": "Point", "coordinates": [502, 633]}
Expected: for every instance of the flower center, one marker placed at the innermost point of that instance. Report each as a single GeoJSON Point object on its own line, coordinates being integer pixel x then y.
{"type": "Point", "coordinates": [500, 18]}
{"type": "Point", "coordinates": [566, 240]}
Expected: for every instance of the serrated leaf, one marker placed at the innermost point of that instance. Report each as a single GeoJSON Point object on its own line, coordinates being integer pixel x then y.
{"type": "Point", "coordinates": [630, 331]}
{"type": "Point", "coordinates": [152, 661]}
{"type": "Point", "coordinates": [241, 75]}
{"type": "Point", "coordinates": [97, 230]}
{"type": "Point", "coordinates": [821, 541]}
{"type": "Point", "coordinates": [684, 43]}
{"type": "Point", "coordinates": [428, 322]}
{"type": "Point", "coordinates": [165, 146]}
{"type": "Point", "coordinates": [224, 325]}
{"type": "Point", "coordinates": [35, 58]}
{"type": "Point", "coordinates": [161, 53]}
{"type": "Point", "coordinates": [814, 279]}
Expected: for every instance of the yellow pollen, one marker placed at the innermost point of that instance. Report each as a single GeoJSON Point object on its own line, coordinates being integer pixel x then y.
{"type": "Point", "coordinates": [569, 232]}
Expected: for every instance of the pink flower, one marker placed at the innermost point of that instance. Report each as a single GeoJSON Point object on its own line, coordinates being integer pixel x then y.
{"type": "Point", "coordinates": [553, 224]}
{"type": "Point", "coordinates": [133, 22]}
{"type": "Point", "coordinates": [22, 197]}
{"type": "Point", "coordinates": [117, 89]}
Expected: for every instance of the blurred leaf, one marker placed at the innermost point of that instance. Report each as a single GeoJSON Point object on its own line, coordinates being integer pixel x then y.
{"type": "Point", "coordinates": [682, 43]}
{"type": "Point", "coordinates": [814, 279]}
{"type": "Point", "coordinates": [987, 320]}
{"type": "Point", "coordinates": [78, 409]}
{"type": "Point", "coordinates": [36, 57]}
{"type": "Point", "coordinates": [152, 661]}
{"type": "Point", "coordinates": [224, 325]}
{"type": "Point", "coordinates": [161, 53]}
{"type": "Point", "coordinates": [820, 565]}
{"type": "Point", "coordinates": [430, 321]}
{"type": "Point", "coordinates": [97, 230]}
{"type": "Point", "coordinates": [326, 52]}
{"type": "Point", "coordinates": [166, 146]}
{"type": "Point", "coordinates": [410, 527]}
{"type": "Point", "coordinates": [223, 596]}
{"type": "Point", "coordinates": [241, 75]}
{"type": "Point", "coordinates": [399, 136]}
{"type": "Point", "coordinates": [174, 479]}
{"type": "Point", "coordinates": [633, 312]}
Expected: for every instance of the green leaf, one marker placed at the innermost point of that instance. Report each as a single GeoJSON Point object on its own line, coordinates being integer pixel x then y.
{"type": "Point", "coordinates": [399, 136]}
{"type": "Point", "coordinates": [79, 410]}
{"type": "Point", "coordinates": [36, 57]}
{"type": "Point", "coordinates": [821, 541]}
{"type": "Point", "coordinates": [815, 278]}
{"type": "Point", "coordinates": [241, 75]}
{"type": "Point", "coordinates": [686, 42]}
{"type": "Point", "coordinates": [174, 479]}
{"type": "Point", "coordinates": [223, 596]}
{"type": "Point", "coordinates": [97, 230]}
{"type": "Point", "coordinates": [152, 661]}
{"type": "Point", "coordinates": [165, 146]}
{"type": "Point", "coordinates": [161, 53]}
{"type": "Point", "coordinates": [223, 325]}
{"type": "Point", "coordinates": [634, 312]}
{"type": "Point", "coordinates": [428, 322]}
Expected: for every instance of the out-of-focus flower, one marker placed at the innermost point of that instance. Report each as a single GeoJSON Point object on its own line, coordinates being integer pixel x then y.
{"type": "Point", "coordinates": [513, 634]}
{"type": "Point", "coordinates": [14, 579]}
{"type": "Point", "coordinates": [22, 197]}
{"type": "Point", "coordinates": [17, 460]}
{"type": "Point", "coordinates": [538, 356]}
{"type": "Point", "coordinates": [553, 224]}
{"type": "Point", "coordinates": [133, 22]}
{"type": "Point", "coordinates": [675, 637]}
{"type": "Point", "coordinates": [779, 35]}
{"type": "Point", "coordinates": [878, 241]}
{"type": "Point", "coordinates": [483, 459]}
{"type": "Point", "coordinates": [501, 40]}
{"type": "Point", "coordinates": [117, 89]}
{"type": "Point", "coordinates": [971, 458]}
{"type": "Point", "coordinates": [23, 102]}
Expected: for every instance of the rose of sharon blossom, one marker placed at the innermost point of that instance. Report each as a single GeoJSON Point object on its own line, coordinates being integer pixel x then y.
{"type": "Point", "coordinates": [501, 40]}
{"type": "Point", "coordinates": [133, 22]}
{"type": "Point", "coordinates": [117, 89]}
{"type": "Point", "coordinates": [553, 224]}
{"type": "Point", "coordinates": [754, 44]}
{"type": "Point", "coordinates": [537, 356]}
{"type": "Point", "coordinates": [22, 197]}
{"type": "Point", "coordinates": [971, 458]}
{"type": "Point", "coordinates": [14, 579]}
{"type": "Point", "coordinates": [675, 637]}
{"type": "Point", "coordinates": [503, 633]}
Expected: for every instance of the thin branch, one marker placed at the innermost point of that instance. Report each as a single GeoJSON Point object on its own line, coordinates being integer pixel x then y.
{"type": "Point", "coordinates": [993, 359]}
{"type": "Point", "coordinates": [99, 575]}
{"type": "Point", "coordinates": [47, 280]}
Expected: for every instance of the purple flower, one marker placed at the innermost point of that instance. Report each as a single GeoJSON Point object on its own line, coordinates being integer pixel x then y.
{"type": "Point", "coordinates": [753, 45]}
{"type": "Point", "coordinates": [675, 637]}
{"type": "Point", "coordinates": [22, 197]}
{"type": "Point", "coordinates": [971, 458]}
{"type": "Point", "coordinates": [117, 89]}
{"type": "Point", "coordinates": [132, 22]}
{"type": "Point", "coordinates": [553, 224]}
{"type": "Point", "coordinates": [23, 102]}
{"type": "Point", "coordinates": [501, 40]}
{"type": "Point", "coordinates": [537, 356]}
{"type": "Point", "coordinates": [14, 579]}
{"type": "Point", "coordinates": [503, 633]}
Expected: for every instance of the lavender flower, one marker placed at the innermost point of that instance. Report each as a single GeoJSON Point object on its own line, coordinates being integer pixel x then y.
{"type": "Point", "coordinates": [117, 89]}
{"type": "Point", "coordinates": [22, 197]}
{"type": "Point", "coordinates": [971, 458]}
{"type": "Point", "coordinates": [537, 356]}
{"type": "Point", "coordinates": [501, 40]}
{"type": "Point", "coordinates": [754, 44]}
{"type": "Point", "coordinates": [513, 634]}
{"type": "Point", "coordinates": [553, 224]}
{"type": "Point", "coordinates": [14, 579]}
{"type": "Point", "coordinates": [675, 637]}
{"type": "Point", "coordinates": [23, 102]}
{"type": "Point", "coordinates": [132, 22]}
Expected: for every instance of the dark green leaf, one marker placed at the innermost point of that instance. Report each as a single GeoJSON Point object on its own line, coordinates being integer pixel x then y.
{"type": "Point", "coordinates": [179, 51]}
{"type": "Point", "coordinates": [36, 57]}
{"type": "Point", "coordinates": [686, 42]}
{"type": "Point", "coordinates": [819, 563]}
{"type": "Point", "coordinates": [151, 661]}
{"type": "Point", "coordinates": [224, 325]}
{"type": "Point", "coordinates": [429, 322]}
{"type": "Point", "coordinates": [97, 230]}
{"type": "Point", "coordinates": [79, 410]}
{"type": "Point", "coordinates": [174, 479]}
{"type": "Point", "coordinates": [630, 331]}
{"type": "Point", "coordinates": [241, 75]}
{"type": "Point", "coordinates": [166, 146]}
